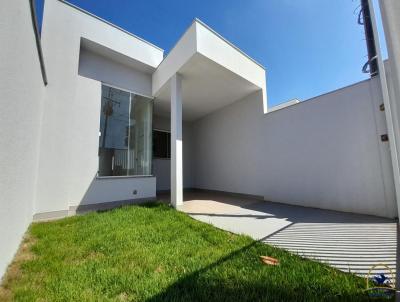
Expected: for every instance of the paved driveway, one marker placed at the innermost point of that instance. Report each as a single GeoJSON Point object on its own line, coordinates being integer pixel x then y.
{"type": "Point", "coordinates": [348, 242]}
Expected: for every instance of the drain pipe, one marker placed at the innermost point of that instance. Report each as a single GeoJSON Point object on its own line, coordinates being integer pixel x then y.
{"type": "Point", "coordinates": [391, 117]}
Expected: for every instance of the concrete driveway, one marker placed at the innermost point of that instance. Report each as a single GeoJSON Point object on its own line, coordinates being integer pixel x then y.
{"type": "Point", "coordinates": [345, 241]}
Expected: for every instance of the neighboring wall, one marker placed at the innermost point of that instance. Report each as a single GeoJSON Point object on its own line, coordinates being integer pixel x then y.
{"type": "Point", "coordinates": [162, 167]}
{"type": "Point", "coordinates": [21, 88]}
{"type": "Point", "coordinates": [325, 152]}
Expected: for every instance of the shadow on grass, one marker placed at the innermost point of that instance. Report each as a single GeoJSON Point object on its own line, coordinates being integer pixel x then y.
{"type": "Point", "coordinates": [211, 283]}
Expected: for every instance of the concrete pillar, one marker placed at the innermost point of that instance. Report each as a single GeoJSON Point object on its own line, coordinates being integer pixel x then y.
{"type": "Point", "coordinates": [176, 142]}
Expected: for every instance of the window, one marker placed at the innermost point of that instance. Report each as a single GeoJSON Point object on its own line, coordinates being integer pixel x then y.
{"type": "Point", "coordinates": [125, 133]}
{"type": "Point", "coordinates": [161, 144]}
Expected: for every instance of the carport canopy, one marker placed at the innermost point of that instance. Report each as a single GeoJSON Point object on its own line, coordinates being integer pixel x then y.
{"type": "Point", "coordinates": [202, 73]}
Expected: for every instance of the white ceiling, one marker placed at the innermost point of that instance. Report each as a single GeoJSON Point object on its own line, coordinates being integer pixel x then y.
{"type": "Point", "coordinates": [206, 87]}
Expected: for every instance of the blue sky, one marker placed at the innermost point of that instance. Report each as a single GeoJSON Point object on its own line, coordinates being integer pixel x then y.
{"type": "Point", "coordinates": [309, 47]}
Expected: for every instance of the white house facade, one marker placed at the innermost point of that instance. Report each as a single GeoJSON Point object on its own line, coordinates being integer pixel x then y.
{"type": "Point", "coordinates": [95, 117]}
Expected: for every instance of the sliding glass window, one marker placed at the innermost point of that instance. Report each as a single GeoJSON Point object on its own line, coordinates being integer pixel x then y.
{"type": "Point", "coordinates": [125, 141]}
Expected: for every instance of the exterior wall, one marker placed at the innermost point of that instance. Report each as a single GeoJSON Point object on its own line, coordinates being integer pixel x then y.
{"type": "Point", "coordinates": [69, 146]}
{"type": "Point", "coordinates": [105, 70]}
{"type": "Point", "coordinates": [106, 189]}
{"type": "Point", "coordinates": [324, 153]}
{"type": "Point", "coordinates": [22, 89]}
{"type": "Point", "coordinates": [162, 167]}
{"type": "Point", "coordinates": [177, 57]}
{"type": "Point", "coordinates": [390, 10]}
{"type": "Point", "coordinates": [391, 21]}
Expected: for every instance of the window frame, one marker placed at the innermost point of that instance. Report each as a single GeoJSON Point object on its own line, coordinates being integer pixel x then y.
{"type": "Point", "coordinates": [126, 90]}
{"type": "Point", "coordinates": [151, 98]}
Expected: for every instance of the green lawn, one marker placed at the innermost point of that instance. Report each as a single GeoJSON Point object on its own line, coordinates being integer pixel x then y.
{"type": "Point", "coordinates": [154, 253]}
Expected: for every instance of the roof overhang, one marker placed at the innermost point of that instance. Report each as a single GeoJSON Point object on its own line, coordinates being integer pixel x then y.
{"type": "Point", "coordinates": [111, 54]}
{"type": "Point", "coordinates": [214, 73]}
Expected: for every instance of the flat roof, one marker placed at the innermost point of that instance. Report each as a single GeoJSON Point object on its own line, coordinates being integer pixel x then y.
{"type": "Point", "coordinates": [214, 72]}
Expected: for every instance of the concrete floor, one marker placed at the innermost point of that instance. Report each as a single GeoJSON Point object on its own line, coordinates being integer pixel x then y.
{"type": "Point", "coordinates": [345, 241]}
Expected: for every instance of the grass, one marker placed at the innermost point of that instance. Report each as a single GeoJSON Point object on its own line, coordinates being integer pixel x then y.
{"type": "Point", "coordinates": [154, 253]}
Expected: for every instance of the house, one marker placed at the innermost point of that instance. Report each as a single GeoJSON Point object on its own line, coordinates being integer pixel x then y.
{"type": "Point", "coordinates": [94, 116]}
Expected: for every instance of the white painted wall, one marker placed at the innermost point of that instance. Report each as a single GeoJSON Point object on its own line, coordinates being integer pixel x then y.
{"type": "Point", "coordinates": [391, 20]}
{"type": "Point", "coordinates": [177, 57]}
{"type": "Point", "coordinates": [69, 145]}
{"type": "Point", "coordinates": [390, 13]}
{"type": "Point", "coordinates": [106, 189]}
{"type": "Point", "coordinates": [216, 48]}
{"type": "Point", "coordinates": [21, 88]}
{"type": "Point", "coordinates": [100, 68]}
{"type": "Point", "coordinates": [162, 167]}
{"type": "Point", "coordinates": [325, 152]}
